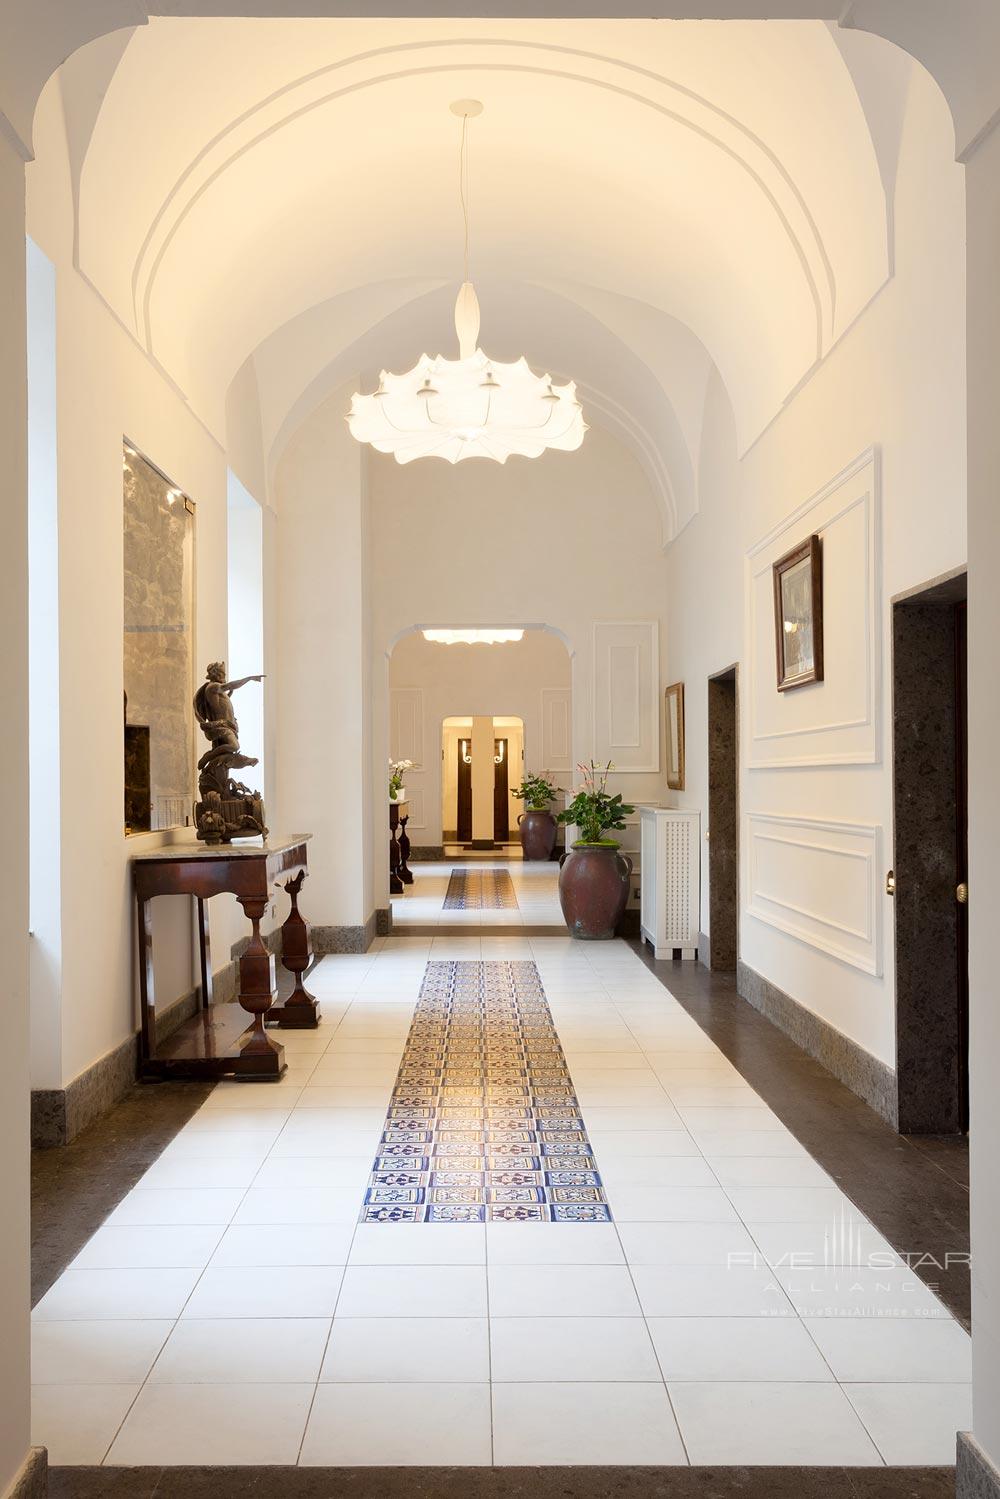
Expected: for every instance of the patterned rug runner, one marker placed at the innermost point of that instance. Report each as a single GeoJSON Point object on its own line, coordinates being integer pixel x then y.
{"type": "Point", "coordinates": [483, 1123]}
{"type": "Point", "coordinates": [480, 890]}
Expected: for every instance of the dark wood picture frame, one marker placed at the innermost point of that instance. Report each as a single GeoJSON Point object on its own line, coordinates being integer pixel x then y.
{"type": "Point", "coordinates": [675, 763]}
{"type": "Point", "coordinates": [811, 551]}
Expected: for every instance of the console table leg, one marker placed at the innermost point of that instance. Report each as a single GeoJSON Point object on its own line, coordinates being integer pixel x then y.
{"type": "Point", "coordinates": [395, 883]}
{"type": "Point", "coordinates": [204, 953]}
{"type": "Point", "coordinates": [259, 1055]}
{"type": "Point", "coordinates": [405, 873]}
{"type": "Point", "coordinates": [147, 989]}
{"type": "Point", "coordinates": [300, 1010]}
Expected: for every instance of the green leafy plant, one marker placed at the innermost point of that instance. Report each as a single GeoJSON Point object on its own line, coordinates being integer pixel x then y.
{"type": "Point", "coordinates": [397, 769]}
{"type": "Point", "coordinates": [536, 791]}
{"type": "Point", "coordinates": [594, 810]}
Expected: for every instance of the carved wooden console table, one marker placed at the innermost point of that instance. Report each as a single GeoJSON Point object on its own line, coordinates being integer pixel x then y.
{"type": "Point", "coordinates": [226, 1039]}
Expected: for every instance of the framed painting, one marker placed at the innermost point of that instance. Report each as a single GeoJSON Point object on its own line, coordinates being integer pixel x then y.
{"type": "Point", "coordinates": [798, 615]}
{"type": "Point", "coordinates": [675, 736]}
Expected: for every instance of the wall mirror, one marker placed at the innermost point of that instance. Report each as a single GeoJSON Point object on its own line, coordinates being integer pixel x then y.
{"type": "Point", "coordinates": [158, 647]}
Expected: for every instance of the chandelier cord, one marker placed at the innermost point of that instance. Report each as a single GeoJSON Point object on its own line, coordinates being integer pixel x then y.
{"type": "Point", "coordinates": [463, 189]}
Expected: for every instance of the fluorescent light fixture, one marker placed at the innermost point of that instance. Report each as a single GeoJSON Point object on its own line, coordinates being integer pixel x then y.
{"type": "Point", "coordinates": [472, 637]}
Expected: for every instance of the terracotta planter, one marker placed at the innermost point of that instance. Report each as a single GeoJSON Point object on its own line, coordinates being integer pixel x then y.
{"type": "Point", "coordinates": [538, 833]}
{"type": "Point", "coordinates": [593, 890]}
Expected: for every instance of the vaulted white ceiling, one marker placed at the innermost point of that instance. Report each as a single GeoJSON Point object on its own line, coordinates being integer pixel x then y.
{"type": "Point", "coordinates": [650, 199]}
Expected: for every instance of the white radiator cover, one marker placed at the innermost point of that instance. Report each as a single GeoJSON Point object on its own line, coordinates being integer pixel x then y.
{"type": "Point", "coordinates": [671, 880]}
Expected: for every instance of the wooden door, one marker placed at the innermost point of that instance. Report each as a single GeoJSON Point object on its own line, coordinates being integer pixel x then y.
{"type": "Point", "coordinates": [501, 798]}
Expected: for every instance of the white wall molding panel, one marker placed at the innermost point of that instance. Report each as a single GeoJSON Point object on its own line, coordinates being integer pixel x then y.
{"type": "Point", "coordinates": [627, 694]}
{"type": "Point", "coordinates": [557, 728]}
{"type": "Point", "coordinates": [406, 724]}
{"type": "Point", "coordinates": [818, 881]}
{"type": "Point", "coordinates": [836, 721]}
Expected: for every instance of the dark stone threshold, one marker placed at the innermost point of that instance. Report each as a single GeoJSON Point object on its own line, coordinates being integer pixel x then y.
{"type": "Point", "coordinates": [502, 1483]}
{"type": "Point", "coordinates": [73, 1189]}
{"type": "Point", "coordinates": [911, 1188]}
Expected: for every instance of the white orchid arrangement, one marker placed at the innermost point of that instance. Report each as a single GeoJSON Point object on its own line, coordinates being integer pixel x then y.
{"type": "Point", "coordinates": [397, 769]}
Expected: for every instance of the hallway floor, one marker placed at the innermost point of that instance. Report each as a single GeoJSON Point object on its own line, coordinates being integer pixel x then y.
{"type": "Point", "coordinates": [535, 889]}
{"type": "Point", "coordinates": [736, 1308]}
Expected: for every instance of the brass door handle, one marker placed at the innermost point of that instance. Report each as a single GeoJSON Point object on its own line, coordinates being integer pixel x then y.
{"type": "Point", "coordinates": [890, 882]}
{"type": "Point", "coordinates": [962, 893]}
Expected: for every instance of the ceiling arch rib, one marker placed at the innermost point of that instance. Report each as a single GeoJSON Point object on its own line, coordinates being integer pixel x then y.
{"type": "Point", "coordinates": [655, 162]}
{"type": "Point", "coordinates": [300, 365]}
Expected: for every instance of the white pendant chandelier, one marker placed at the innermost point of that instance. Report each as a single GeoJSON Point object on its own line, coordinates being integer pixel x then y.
{"type": "Point", "coordinates": [472, 406]}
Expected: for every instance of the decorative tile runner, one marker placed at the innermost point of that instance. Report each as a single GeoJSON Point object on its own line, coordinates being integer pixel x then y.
{"type": "Point", "coordinates": [483, 1122]}
{"type": "Point", "coordinates": [480, 890]}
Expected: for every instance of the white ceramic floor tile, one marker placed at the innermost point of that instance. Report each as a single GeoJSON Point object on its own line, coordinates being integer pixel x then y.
{"type": "Point", "coordinates": [408, 1349]}
{"type": "Point", "coordinates": [530, 1349]}
{"type": "Point", "coordinates": [656, 1171]}
{"type": "Point", "coordinates": [399, 1425]}
{"type": "Point", "coordinates": [250, 1350]}
{"type": "Point", "coordinates": [95, 1353]}
{"type": "Point", "coordinates": [718, 1244]}
{"type": "Point", "coordinates": [419, 1244]}
{"type": "Point", "coordinates": [748, 1142]}
{"type": "Point", "coordinates": [736, 1348]}
{"type": "Point", "coordinates": [317, 1171]}
{"type": "Point", "coordinates": [562, 1291]}
{"type": "Point", "coordinates": [298, 1205]}
{"type": "Point", "coordinates": [646, 1204]}
{"type": "Point", "coordinates": [860, 1350]}
{"type": "Point", "coordinates": [214, 1171]}
{"type": "Point", "coordinates": [803, 1245]}
{"type": "Point", "coordinates": [413, 1291]}
{"type": "Point", "coordinates": [92, 1295]}
{"type": "Point", "coordinates": [77, 1423]}
{"type": "Point", "coordinates": [804, 1425]}
{"type": "Point", "coordinates": [709, 1291]}
{"type": "Point", "coordinates": [149, 1248]}
{"type": "Point", "coordinates": [849, 1291]}
{"type": "Point", "coordinates": [238, 1292]}
{"type": "Point", "coordinates": [792, 1204]}
{"type": "Point", "coordinates": [192, 1205]}
{"type": "Point", "coordinates": [628, 1144]}
{"type": "Point", "coordinates": [553, 1244]}
{"type": "Point", "coordinates": [768, 1171]}
{"type": "Point", "coordinates": [284, 1244]}
{"type": "Point", "coordinates": [913, 1423]}
{"type": "Point", "coordinates": [213, 1424]}
{"type": "Point", "coordinates": [591, 1424]}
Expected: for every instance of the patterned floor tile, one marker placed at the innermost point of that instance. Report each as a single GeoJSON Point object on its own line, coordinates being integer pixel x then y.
{"type": "Point", "coordinates": [484, 1124]}
{"type": "Point", "coordinates": [480, 890]}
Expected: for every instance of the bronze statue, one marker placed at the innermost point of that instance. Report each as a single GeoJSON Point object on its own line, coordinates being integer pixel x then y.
{"type": "Point", "coordinates": [227, 808]}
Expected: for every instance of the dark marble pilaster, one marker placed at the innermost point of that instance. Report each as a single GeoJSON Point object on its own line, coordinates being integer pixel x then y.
{"type": "Point", "coordinates": [864, 1074]}
{"type": "Point", "coordinates": [976, 1475]}
{"type": "Point", "coordinates": [929, 1039]}
{"type": "Point", "coordinates": [723, 822]}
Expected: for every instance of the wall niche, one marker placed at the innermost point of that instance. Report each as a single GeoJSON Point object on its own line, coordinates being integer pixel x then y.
{"type": "Point", "coordinates": [159, 748]}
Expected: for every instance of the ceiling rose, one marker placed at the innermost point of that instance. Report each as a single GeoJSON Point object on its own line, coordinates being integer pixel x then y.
{"type": "Point", "coordinates": [472, 406]}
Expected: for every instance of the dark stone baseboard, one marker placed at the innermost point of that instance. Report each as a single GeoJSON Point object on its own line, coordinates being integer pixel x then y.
{"type": "Point", "coordinates": [32, 1479]}
{"type": "Point", "coordinates": [976, 1475]}
{"type": "Point", "coordinates": [383, 921]}
{"type": "Point", "coordinates": [865, 1075]}
{"type": "Point", "coordinates": [341, 939]}
{"type": "Point", "coordinates": [59, 1114]}
{"type": "Point", "coordinates": [426, 853]}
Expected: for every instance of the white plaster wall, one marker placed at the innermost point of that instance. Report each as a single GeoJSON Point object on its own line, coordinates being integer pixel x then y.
{"type": "Point", "coordinates": [106, 388]}
{"type": "Point", "coordinates": [459, 681]}
{"type": "Point", "coordinates": [14, 1054]}
{"type": "Point", "coordinates": [897, 382]}
{"type": "Point", "coordinates": [321, 666]}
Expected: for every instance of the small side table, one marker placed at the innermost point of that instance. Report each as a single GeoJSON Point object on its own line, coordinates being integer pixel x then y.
{"type": "Point", "coordinates": [218, 1041]}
